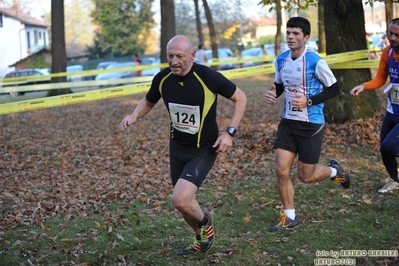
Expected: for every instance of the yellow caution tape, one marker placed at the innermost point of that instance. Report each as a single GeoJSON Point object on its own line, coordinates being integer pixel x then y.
{"type": "Point", "coordinates": [345, 57]}
{"type": "Point", "coordinates": [249, 71]}
{"type": "Point", "coordinates": [77, 84]}
{"type": "Point", "coordinates": [84, 73]}
{"type": "Point", "coordinates": [101, 94]}
{"type": "Point", "coordinates": [356, 64]}
{"type": "Point", "coordinates": [336, 58]}
{"type": "Point", "coordinates": [74, 98]}
{"type": "Point", "coordinates": [336, 61]}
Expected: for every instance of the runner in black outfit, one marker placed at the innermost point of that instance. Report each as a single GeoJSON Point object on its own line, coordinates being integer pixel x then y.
{"type": "Point", "coordinates": [189, 91]}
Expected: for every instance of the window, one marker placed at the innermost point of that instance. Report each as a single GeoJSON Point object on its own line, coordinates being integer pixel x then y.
{"type": "Point", "coordinates": [28, 39]}
{"type": "Point", "coordinates": [35, 36]}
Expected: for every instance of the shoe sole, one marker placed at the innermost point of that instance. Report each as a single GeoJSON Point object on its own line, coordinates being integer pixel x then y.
{"type": "Point", "coordinates": [285, 229]}
{"type": "Point", "coordinates": [387, 191]}
{"type": "Point", "coordinates": [189, 255]}
{"type": "Point", "coordinates": [213, 243]}
{"type": "Point", "coordinates": [348, 179]}
{"type": "Point", "coordinates": [204, 252]}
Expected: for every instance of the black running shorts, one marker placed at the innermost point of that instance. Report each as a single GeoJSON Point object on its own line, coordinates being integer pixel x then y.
{"type": "Point", "coordinates": [192, 164]}
{"type": "Point", "coordinates": [302, 138]}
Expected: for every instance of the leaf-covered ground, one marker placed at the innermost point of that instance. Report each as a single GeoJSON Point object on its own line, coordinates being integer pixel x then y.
{"type": "Point", "coordinates": [72, 161]}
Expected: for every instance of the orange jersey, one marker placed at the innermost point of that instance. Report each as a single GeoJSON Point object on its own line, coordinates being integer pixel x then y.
{"type": "Point", "coordinates": [383, 70]}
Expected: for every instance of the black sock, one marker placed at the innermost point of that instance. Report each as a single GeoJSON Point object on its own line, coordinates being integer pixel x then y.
{"type": "Point", "coordinates": [204, 221]}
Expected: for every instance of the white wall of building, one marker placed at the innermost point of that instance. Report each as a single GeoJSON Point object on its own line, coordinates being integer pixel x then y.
{"type": "Point", "coordinates": [14, 44]}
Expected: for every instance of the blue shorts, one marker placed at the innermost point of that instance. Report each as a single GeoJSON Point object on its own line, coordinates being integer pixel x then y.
{"type": "Point", "coordinates": [302, 138]}
{"type": "Point", "coordinates": [192, 164]}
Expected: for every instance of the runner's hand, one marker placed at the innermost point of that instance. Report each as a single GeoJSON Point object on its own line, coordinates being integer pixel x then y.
{"type": "Point", "coordinates": [127, 120]}
{"type": "Point", "coordinates": [224, 142]}
{"type": "Point", "coordinates": [357, 90]}
{"type": "Point", "coordinates": [271, 95]}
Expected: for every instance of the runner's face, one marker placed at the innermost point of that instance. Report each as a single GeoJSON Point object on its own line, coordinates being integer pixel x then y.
{"type": "Point", "coordinates": [393, 36]}
{"type": "Point", "coordinates": [180, 58]}
{"type": "Point", "coordinates": [296, 39]}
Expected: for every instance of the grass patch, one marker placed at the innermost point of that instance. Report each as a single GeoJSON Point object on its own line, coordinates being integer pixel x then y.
{"type": "Point", "coordinates": [332, 219]}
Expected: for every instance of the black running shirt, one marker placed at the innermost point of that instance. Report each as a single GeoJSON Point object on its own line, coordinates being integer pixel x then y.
{"type": "Point", "coordinates": [191, 102]}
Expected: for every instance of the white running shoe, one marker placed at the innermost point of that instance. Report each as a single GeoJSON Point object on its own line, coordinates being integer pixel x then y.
{"type": "Point", "coordinates": [390, 186]}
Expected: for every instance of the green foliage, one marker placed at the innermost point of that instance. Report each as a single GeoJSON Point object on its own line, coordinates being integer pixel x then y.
{"type": "Point", "coordinates": [96, 52]}
{"type": "Point", "coordinates": [123, 26]}
{"type": "Point", "coordinates": [38, 61]}
{"type": "Point", "coordinates": [304, 4]}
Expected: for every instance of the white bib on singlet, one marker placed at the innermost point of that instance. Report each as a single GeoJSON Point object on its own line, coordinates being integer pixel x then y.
{"type": "Point", "coordinates": [185, 118]}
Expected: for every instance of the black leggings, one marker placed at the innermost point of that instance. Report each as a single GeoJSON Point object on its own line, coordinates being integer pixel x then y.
{"type": "Point", "coordinates": [389, 144]}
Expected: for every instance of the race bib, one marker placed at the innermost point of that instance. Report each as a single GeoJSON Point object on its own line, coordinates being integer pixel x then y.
{"type": "Point", "coordinates": [292, 112]}
{"type": "Point", "coordinates": [185, 118]}
{"type": "Point", "coordinates": [394, 92]}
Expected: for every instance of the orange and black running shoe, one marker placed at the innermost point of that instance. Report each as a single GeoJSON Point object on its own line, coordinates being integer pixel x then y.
{"type": "Point", "coordinates": [343, 176]}
{"type": "Point", "coordinates": [207, 234]}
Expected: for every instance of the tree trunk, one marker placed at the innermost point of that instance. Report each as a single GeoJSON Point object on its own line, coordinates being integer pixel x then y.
{"type": "Point", "coordinates": [58, 52]}
{"type": "Point", "coordinates": [277, 39]}
{"type": "Point", "coordinates": [212, 32]}
{"type": "Point", "coordinates": [344, 26]}
{"type": "Point", "coordinates": [198, 22]}
{"type": "Point", "coordinates": [168, 25]}
{"type": "Point", "coordinates": [388, 13]}
{"type": "Point", "coordinates": [321, 44]}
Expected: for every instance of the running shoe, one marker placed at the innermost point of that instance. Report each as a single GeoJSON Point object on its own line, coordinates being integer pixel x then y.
{"type": "Point", "coordinates": [207, 234]}
{"type": "Point", "coordinates": [390, 186]}
{"type": "Point", "coordinates": [285, 223]}
{"type": "Point", "coordinates": [191, 249]}
{"type": "Point", "coordinates": [342, 176]}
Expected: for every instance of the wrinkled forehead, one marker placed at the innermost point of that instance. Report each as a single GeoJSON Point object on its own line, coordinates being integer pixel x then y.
{"type": "Point", "coordinates": [178, 49]}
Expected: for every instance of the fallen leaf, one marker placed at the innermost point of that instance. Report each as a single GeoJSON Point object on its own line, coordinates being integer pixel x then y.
{"type": "Point", "coordinates": [366, 200]}
{"type": "Point", "coordinates": [251, 242]}
{"type": "Point", "coordinates": [238, 196]}
{"type": "Point", "coordinates": [247, 218]}
{"type": "Point", "coordinates": [66, 240]}
{"type": "Point", "coordinates": [346, 196]}
{"type": "Point", "coordinates": [120, 237]}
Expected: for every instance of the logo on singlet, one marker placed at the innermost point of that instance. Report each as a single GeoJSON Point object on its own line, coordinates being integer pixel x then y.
{"type": "Point", "coordinates": [181, 84]}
